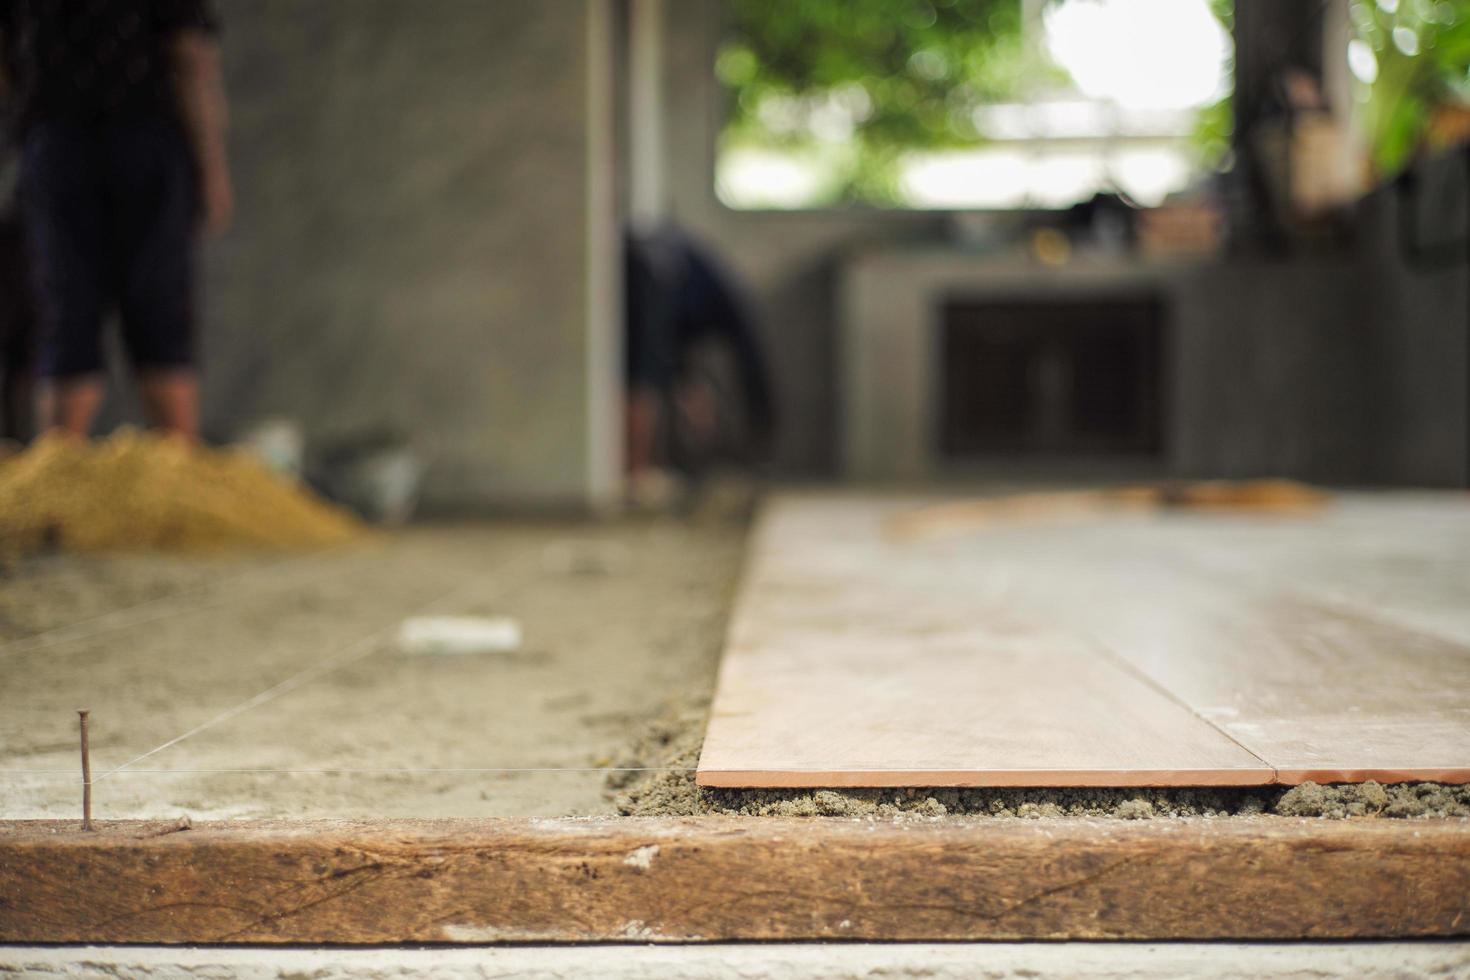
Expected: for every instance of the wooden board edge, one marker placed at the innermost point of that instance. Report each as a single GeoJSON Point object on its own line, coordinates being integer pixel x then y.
{"type": "Point", "coordinates": [717, 778]}
{"type": "Point", "coordinates": [731, 878]}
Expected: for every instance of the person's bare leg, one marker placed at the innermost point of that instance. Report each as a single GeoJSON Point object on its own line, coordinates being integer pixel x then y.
{"type": "Point", "coordinates": [642, 429]}
{"type": "Point", "coordinates": [648, 486]}
{"type": "Point", "coordinates": [69, 404]}
{"type": "Point", "coordinates": [171, 400]}
{"type": "Point", "coordinates": [699, 408]}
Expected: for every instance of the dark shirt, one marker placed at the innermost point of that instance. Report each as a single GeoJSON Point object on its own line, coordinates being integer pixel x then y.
{"type": "Point", "coordinates": [679, 293]}
{"type": "Point", "coordinates": [94, 60]}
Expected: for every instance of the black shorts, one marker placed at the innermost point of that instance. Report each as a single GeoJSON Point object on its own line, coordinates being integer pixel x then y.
{"type": "Point", "coordinates": [17, 310]}
{"type": "Point", "coordinates": [110, 210]}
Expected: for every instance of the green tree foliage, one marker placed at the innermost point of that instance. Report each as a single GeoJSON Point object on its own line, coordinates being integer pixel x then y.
{"type": "Point", "coordinates": [857, 84]}
{"type": "Point", "coordinates": [1420, 57]}
{"type": "Point", "coordinates": [872, 78]}
{"type": "Point", "coordinates": [1215, 124]}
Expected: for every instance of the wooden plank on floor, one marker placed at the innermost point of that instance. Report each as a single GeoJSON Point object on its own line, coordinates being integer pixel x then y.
{"type": "Point", "coordinates": [853, 660]}
{"type": "Point", "coordinates": [731, 878]}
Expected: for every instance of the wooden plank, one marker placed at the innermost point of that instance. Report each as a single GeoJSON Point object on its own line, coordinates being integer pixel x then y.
{"type": "Point", "coordinates": [1232, 617]}
{"type": "Point", "coordinates": [709, 879]}
{"type": "Point", "coordinates": [853, 660]}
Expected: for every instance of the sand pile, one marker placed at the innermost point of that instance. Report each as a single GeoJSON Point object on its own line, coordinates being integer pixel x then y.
{"type": "Point", "coordinates": [141, 491]}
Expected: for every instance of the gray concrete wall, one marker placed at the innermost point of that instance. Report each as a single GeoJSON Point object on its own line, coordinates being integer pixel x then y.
{"type": "Point", "coordinates": [1347, 371]}
{"type": "Point", "coordinates": [411, 252]}
{"type": "Point", "coordinates": [1349, 368]}
{"type": "Point", "coordinates": [1418, 344]}
{"type": "Point", "coordinates": [1269, 372]}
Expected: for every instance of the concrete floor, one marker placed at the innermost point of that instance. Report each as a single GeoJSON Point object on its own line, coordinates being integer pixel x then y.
{"type": "Point", "coordinates": [291, 665]}
{"type": "Point", "coordinates": [997, 961]}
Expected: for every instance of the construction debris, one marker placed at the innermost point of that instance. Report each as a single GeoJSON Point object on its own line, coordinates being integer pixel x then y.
{"type": "Point", "coordinates": [459, 635]}
{"type": "Point", "coordinates": [138, 491]}
{"type": "Point", "coordinates": [957, 518]}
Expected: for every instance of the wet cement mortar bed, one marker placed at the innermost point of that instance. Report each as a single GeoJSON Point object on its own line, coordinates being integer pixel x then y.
{"type": "Point", "coordinates": [671, 743]}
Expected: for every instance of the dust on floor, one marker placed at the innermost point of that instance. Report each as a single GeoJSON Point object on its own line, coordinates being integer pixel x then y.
{"type": "Point", "coordinates": [618, 620]}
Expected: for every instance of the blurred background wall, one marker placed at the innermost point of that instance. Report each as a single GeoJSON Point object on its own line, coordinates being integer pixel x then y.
{"type": "Point", "coordinates": [1346, 364]}
{"type": "Point", "coordinates": [425, 247]}
{"type": "Point", "coordinates": [422, 213]}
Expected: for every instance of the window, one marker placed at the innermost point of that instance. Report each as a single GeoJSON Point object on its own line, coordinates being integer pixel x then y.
{"type": "Point", "coordinates": [984, 104]}
{"type": "Point", "coordinates": [1050, 378]}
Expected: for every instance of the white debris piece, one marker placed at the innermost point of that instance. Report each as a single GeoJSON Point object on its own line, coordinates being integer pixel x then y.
{"type": "Point", "coordinates": [459, 635]}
